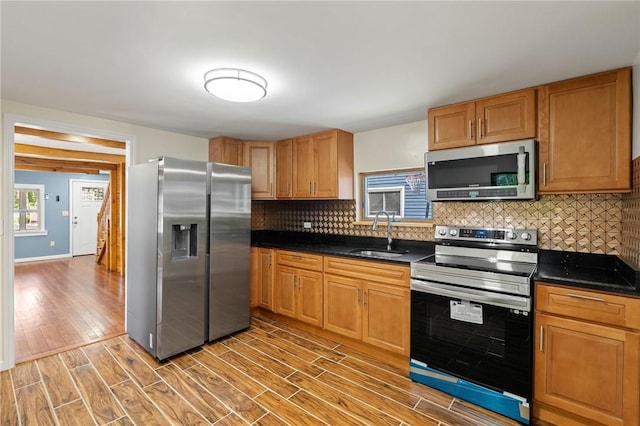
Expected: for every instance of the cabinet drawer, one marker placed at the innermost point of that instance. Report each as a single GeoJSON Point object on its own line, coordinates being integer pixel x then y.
{"type": "Point", "coordinates": [591, 306]}
{"type": "Point", "coordinates": [312, 262]}
{"type": "Point", "coordinates": [368, 270]}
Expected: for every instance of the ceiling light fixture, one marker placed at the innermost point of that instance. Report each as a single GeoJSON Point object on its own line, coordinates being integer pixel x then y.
{"type": "Point", "coordinates": [235, 85]}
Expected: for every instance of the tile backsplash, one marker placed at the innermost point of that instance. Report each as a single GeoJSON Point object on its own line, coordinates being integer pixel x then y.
{"type": "Point", "coordinates": [586, 223]}
{"type": "Point", "coordinates": [589, 223]}
{"type": "Point", "coordinates": [630, 246]}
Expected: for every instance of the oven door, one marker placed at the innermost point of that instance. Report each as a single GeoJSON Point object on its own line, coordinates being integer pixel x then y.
{"type": "Point", "coordinates": [484, 337]}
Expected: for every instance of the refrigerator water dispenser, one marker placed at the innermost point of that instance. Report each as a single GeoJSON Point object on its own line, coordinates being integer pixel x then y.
{"type": "Point", "coordinates": [185, 241]}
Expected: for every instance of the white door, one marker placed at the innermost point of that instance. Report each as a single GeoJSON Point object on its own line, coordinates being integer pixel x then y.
{"type": "Point", "coordinates": [86, 199]}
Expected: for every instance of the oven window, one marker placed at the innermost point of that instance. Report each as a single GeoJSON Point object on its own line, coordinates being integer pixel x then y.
{"type": "Point", "coordinates": [486, 338]}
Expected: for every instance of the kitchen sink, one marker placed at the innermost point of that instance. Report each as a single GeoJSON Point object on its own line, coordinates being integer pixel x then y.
{"type": "Point", "coordinates": [377, 253]}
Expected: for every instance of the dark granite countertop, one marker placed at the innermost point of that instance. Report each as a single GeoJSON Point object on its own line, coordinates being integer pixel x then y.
{"type": "Point", "coordinates": [589, 271]}
{"type": "Point", "coordinates": [342, 245]}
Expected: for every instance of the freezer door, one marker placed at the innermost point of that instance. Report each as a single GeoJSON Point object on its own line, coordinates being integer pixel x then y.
{"type": "Point", "coordinates": [229, 239]}
{"type": "Point", "coordinates": [182, 236]}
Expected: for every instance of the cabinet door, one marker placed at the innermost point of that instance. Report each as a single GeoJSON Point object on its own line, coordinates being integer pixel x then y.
{"type": "Point", "coordinates": [343, 305]}
{"type": "Point", "coordinates": [452, 126]}
{"type": "Point", "coordinates": [309, 297]}
{"type": "Point", "coordinates": [226, 150]}
{"type": "Point", "coordinates": [259, 157]}
{"type": "Point", "coordinates": [284, 294]}
{"type": "Point", "coordinates": [325, 168]}
{"type": "Point", "coordinates": [585, 134]}
{"type": "Point", "coordinates": [265, 292]}
{"type": "Point", "coordinates": [284, 164]}
{"type": "Point", "coordinates": [254, 274]}
{"type": "Point", "coordinates": [587, 369]}
{"type": "Point", "coordinates": [386, 317]}
{"type": "Point", "coordinates": [302, 173]}
{"type": "Point", "coordinates": [507, 117]}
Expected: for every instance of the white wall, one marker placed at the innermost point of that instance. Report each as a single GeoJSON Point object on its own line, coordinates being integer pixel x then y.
{"type": "Point", "coordinates": [146, 144]}
{"type": "Point", "coordinates": [150, 143]}
{"type": "Point", "coordinates": [398, 147]}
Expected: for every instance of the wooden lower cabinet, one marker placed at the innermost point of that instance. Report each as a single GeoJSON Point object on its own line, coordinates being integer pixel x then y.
{"type": "Point", "coordinates": [297, 291]}
{"type": "Point", "coordinates": [585, 372]}
{"type": "Point", "coordinates": [262, 277]}
{"type": "Point", "coordinates": [358, 305]}
{"type": "Point", "coordinates": [386, 317]}
{"type": "Point", "coordinates": [343, 306]}
{"type": "Point", "coordinates": [254, 274]}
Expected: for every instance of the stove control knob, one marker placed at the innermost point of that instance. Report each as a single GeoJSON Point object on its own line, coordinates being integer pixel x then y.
{"type": "Point", "coordinates": [442, 231]}
{"type": "Point", "coordinates": [525, 236]}
{"type": "Point", "coordinates": [453, 232]}
{"type": "Point", "coordinates": [511, 235]}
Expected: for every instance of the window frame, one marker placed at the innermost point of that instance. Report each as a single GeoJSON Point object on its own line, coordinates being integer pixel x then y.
{"type": "Point", "coordinates": [363, 218]}
{"type": "Point", "coordinates": [386, 189]}
{"type": "Point", "coordinates": [40, 210]}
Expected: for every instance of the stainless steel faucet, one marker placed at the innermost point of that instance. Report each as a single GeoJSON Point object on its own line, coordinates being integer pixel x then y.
{"type": "Point", "coordinates": [375, 227]}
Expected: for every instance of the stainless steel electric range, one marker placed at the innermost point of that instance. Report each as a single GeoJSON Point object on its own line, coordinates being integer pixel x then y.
{"type": "Point", "coordinates": [471, 317]}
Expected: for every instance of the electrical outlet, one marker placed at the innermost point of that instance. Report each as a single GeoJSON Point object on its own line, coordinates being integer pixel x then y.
{"type": "Point", "coordinates": [52, 243]}
{"type": "Point", "coordinates": [307, 225]}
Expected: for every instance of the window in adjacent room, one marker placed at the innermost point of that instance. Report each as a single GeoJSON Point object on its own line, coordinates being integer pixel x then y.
{"type": "Point", "coordinates": [28, 209]}
{"type": "Point", "coordinates": [402, 192]}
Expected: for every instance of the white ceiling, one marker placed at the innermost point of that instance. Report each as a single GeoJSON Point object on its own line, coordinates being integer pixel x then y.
{"type": "Point", "coordinates": [351, 65]}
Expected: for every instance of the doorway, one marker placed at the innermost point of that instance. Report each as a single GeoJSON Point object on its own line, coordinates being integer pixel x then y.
{"type": "Point", "coordinates": [71, 151]}
{"type": "Point", "coordinates": [87, 197]}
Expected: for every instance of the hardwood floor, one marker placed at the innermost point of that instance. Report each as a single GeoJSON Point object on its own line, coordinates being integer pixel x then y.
{"type": "Point", "coordinates": [271, 374]}
{"type": "Point", "coordinates": [62, 304]}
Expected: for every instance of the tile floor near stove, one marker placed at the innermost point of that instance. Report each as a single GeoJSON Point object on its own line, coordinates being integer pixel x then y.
{"type": "Point", "coordinates": [271, 374]}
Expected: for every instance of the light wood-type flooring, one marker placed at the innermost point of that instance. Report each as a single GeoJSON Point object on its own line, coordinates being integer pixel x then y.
{"type": "Point", "coordinates": [62, 304]}
{"type": "Point", "coordinates": [270, 374]}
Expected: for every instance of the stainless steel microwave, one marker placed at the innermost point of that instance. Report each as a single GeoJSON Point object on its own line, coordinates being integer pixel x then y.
{"type": "Point", "coordinates": [500, 171]}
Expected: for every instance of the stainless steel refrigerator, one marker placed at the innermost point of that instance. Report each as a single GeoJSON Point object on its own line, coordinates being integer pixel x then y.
{"type": "Point", "coordinates": [173, 280]}
{"type": "Point", "coordinates": [229, 248]}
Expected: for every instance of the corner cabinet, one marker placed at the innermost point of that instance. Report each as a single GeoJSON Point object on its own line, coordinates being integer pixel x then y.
{"type": "Point", "coordinates": [262, 277]}
{"type": "Point", "coordinates": [501, 118]}
{"type": "Point", "coordinates": [259, 157]}
{"type": "Point", "coordinates": [226, 150]}
{"type": "Point", "coordinates": [322, 166]}
{"type": "Point", "coordinates": [587, 357]}
{"type": "Point", "coordinates": [585, 134]}
{"type": "Point", "coordinates": [368, 301]}
{"type": "Point", "coordinates": [298, 286]}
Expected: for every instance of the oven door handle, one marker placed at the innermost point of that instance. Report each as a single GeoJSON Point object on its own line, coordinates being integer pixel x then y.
{"type": "Point", "coordinates": [473, 295]}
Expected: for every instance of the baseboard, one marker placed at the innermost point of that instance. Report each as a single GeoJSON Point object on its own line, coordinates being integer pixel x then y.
{"type": "Point", "coordinates": [39, 258]}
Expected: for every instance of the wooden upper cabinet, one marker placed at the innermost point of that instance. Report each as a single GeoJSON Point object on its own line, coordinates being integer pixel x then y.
{"type": "Point", "coordinates": [284, 164]}
{"type": "Point", "coordinates": [452, 126]}
{"type": "Point", "coordinates": [226, 150]}
{"type": "Point", "coordinates": [506, 117]}
{"type": "Point", "coordinates": [501, 118]}
{"type": "Point", "coordinates": [259, 156]}
{"type": "Point", "coordinates": [323, 165]}
{"type": "Point", "coordinates": [302, 167]}
{"type": "Point", "coordinates": [585, 134]}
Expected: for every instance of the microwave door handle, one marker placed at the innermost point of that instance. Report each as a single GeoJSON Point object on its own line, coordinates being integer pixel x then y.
{"type": "Point", "coordinates": [522, 178]}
